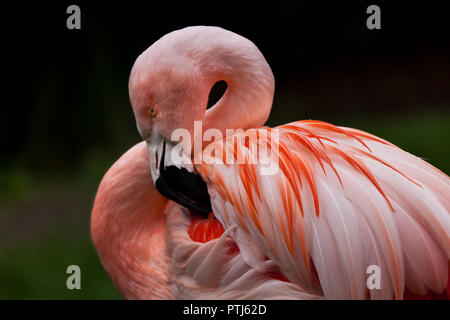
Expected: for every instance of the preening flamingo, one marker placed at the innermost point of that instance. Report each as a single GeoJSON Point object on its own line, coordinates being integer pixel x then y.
{"type": "Point", "coordinates": [341, 200]}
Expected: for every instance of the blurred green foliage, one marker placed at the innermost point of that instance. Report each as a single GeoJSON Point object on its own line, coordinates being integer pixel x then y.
{"type": "Point", "coordinates": [37, 270]}
{"type": "Point", "coordinates": [44, 228]}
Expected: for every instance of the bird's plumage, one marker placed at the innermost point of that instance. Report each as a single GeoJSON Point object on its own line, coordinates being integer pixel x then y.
{"type": "Point", "coordinates": [340, 200]}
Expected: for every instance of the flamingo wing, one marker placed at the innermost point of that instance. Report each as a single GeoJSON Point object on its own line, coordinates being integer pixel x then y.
{"type": "Point", "coordinates": [341, 200]}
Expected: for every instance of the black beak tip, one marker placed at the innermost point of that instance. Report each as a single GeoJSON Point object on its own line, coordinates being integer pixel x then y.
{"type": "Point", "coordinates": [182, 194]}
{"type": "Point", "coordinates": [184, 187]}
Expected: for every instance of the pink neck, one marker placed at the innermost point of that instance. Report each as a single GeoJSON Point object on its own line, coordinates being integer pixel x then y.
{"type": "Point", "coordinates": [248, 99]}
{"type": "Point", "coordinates": [128, 228]}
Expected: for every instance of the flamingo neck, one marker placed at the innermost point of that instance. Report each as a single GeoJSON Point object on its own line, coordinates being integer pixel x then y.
{"type": "Point", "coordinates": [250, 82]}
{"type": "Point", "coordinates": [128, 228]}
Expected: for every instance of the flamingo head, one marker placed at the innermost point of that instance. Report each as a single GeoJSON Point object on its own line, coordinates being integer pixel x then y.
{"type": "Point", "coordinates": [169, 87]}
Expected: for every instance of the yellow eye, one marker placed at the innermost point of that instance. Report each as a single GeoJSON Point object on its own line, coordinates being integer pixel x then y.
{"type": "Point", "coordinates": [152, 111]}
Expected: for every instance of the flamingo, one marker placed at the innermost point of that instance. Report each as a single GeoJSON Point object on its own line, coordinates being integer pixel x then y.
{"type": "Point", "coordinates": [341, 199]}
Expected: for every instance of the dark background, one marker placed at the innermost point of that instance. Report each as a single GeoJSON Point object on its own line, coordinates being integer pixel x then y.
{"type": "Point", "coordinates": [66, 116]}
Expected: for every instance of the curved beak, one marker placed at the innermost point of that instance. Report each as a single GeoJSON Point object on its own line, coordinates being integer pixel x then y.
{"type": "Point", "coordinates": [175, 178]}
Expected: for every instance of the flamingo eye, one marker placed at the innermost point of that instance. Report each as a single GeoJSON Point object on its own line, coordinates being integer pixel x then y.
{"type": "Point", "coordinates": [152, 111]}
